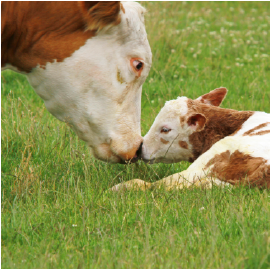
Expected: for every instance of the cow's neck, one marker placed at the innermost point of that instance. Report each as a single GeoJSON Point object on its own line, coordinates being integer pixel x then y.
{"type": "Point", "coordinates": [7, 31]}
{"type": "Point", "coordinates": [220, 123]}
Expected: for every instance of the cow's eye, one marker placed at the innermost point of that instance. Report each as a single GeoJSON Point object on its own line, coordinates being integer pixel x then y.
{"type": "Point", "coordinates": [138, 65]}
{"type": "Point", "coordinates": [165, 130]}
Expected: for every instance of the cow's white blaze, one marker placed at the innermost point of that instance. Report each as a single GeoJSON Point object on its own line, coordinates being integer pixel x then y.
{"type": "Point", "coordinates": [97, 90]}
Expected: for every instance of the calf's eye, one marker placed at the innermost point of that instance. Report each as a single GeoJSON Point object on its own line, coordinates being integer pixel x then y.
{"type": "Point", "coordinates": [165, 130]}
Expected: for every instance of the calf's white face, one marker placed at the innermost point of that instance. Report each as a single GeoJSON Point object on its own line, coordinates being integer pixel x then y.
{"type": "Point", "coordinates": [98, 89]}
{"type": "Point", "coordinates": [168, 139]}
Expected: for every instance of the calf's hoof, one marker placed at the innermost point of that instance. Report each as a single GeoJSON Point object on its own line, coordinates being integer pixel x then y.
{"type": "Point", "coordinates": [134, 184]}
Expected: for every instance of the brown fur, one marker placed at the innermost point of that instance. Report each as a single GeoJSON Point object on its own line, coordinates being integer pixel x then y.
{"type": "Point", "coordinates": [214, 97]}
{"type": "Point", "coordinates": [100, 14]}
{"type": "Point", "coordinates": [164, 141]}
{"type": "Point", "coordinates": [220, 123]}
{"type": "Point", "coordinates": [197, 121]}
{"type": "Point", "coordinates": [238, 168]}
{"type": "Point", "coordinates": [35, 33]}
{"type": "Point", "coordinates": [182, 120]}
{"type": "Point", "coordinates": [122, 8]}
{"type": "Point", "coordinates": [249, 132]}
{"type": "Point", "coordinates": [183, 144]}
{"type": "Point", "coordinates": [236, 131]}
{"type": "Point", "coordinates": [262, 132]}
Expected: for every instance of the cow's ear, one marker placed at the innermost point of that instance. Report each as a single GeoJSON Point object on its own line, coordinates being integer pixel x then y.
{"type": "Point", "coordinates": [196, 122]}
{"type": "Point", "coordinates": [214, 97]}
{"type": "Point", "coordinates": [100, 14]}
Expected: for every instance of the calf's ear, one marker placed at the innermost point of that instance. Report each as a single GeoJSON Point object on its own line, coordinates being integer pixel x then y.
{"type": "Point", "coordinates": [214, 97]}
{"type": "Point", "coordinates": [99, 14]}
{"type": "Point", "coordinates": [196, 122]}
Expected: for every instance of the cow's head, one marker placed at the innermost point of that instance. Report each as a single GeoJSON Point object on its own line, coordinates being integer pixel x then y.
{"type": "Point", "coordinates": [168, 139]}
{"type": "Point", "coordinates": [92, 78]}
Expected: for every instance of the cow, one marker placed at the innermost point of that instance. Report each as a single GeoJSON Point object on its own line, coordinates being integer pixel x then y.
{"type": "Point", "coordinates": [225, 146]}
{"type": "Point", "coordinates": [88, 62]}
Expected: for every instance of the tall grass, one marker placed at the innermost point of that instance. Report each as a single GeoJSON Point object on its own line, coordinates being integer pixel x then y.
{"type": "Point", "coordinates": [56, 212]}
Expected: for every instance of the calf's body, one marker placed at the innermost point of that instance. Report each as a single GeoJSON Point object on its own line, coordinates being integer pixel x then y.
{"type": "Point", "coordinates": [226, 146]}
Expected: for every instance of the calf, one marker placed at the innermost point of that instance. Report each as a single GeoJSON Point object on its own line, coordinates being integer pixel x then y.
{"type": "Point", "coordinates": [225, 145]}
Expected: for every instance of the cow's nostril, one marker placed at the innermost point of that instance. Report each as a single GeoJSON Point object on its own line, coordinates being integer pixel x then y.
{"type": "Point", "coordinates": [135, 158]}
{"type": "Point", "coordinates": [139, 151]}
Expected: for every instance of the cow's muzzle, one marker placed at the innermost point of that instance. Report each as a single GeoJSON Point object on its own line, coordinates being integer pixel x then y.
{"type": "Point", "coordinates": [136, 157]}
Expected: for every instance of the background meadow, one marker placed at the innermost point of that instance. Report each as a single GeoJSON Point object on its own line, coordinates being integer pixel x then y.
{"type": "Point", "coordinates": [56, 212]}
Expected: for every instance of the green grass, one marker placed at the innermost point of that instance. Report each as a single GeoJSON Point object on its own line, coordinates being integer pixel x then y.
{"type": "Point", "coordinates": [56, 212]}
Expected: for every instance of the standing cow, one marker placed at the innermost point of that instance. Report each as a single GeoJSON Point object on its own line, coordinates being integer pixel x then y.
{"type": "Point", "coordinates": [87, 61]}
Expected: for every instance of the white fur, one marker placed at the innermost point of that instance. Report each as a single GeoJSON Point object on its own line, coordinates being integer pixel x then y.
{"type": "Point", "coordinates": [155, 151]}
{"type": "Point", "coordinates": [255, 120]}
{"type": "Point", "coordinates": [84, 89]}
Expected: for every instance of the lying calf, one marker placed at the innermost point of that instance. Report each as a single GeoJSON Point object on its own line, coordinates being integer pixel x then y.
{"type": "Point", "coordinates": [225, 145]}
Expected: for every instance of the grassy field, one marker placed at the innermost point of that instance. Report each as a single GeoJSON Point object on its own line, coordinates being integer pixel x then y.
{"type": "Point", "coordinates": [56, 212]}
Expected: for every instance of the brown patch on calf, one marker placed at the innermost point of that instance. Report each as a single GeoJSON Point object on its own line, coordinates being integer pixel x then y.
{"type": "Point", "coordinates": [249, 132]}
{"type": "Point", "coordinates": [35, 33]}
{"type": "Point", "coordinates": [164, 141]}
{"type": "Point", "coordinates": [183, 144]}
{"type": "Point", "coordinates": [220, 123]}
{"type": "Point", "coordinates": [262, 132]}
{"type": "Point", "coordinates": [182, 120]}
{"type": "Point", "coordinates": [196, 121]}
{"type": "Point", "coordinates": [214, 97]}
{"type": "Point", "coordinates": [236, 131]}
{"type": "Point", "coordinates": [239, 168]}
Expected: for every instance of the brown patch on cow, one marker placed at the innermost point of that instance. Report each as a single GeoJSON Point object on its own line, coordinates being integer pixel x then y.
{"type": "Point", "coordinates": [99, 14]}
{"type": "Point", "coordinates": [122, 8]}
{"type": "Point", "coordinates": [183, 144]}
{"type": "Point", "coordinates": [119, 77]}
{"type": "Point", "coordinates": [35, 33]}
{"type": "Point", "coordinates": [239, 168]}
{"type": "Point", "coordinates": [164, 141]}
{"type": "Point", "coordinates": [214, 97]}
{"type": "Point", "coordinates": [220, 122]}
{"type": "Point", "coordinates": [249, 132]}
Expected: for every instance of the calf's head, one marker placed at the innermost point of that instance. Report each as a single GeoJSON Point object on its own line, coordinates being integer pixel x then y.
{"type": "Point", "coordinates": [168, 139]}
{"type": "Point", "coordinates": [88, 62]}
